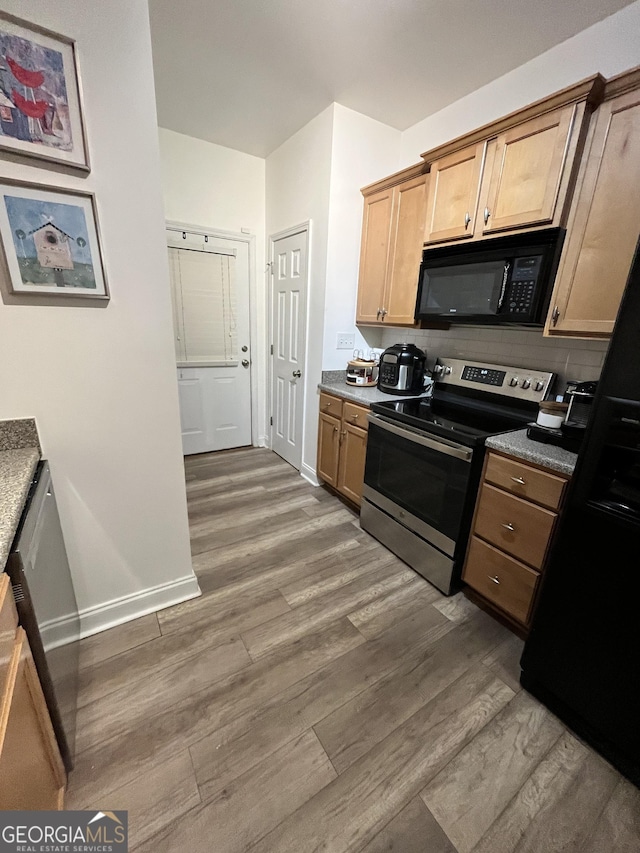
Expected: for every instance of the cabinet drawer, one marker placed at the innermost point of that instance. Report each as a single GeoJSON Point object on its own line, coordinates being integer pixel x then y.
{"type": "Point", "coordinates": [518, 527]}
{"type": "Point", "coordinates": [330, 405]}
{"type": "Point", "coordinates": [500, 579]}
{"type": "Point", "coordinates": [356, 415]}
{"type": "Point", "coordinates": [526, 482]}
{"type": "Point", "coordinates": [8, 626]}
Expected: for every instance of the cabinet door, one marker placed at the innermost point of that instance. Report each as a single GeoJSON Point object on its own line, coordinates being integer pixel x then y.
{"type": "Point", "coordinates": [454, 185]}
{"type": "Point", "coordinates": [374, 255]}
{"type": "Point", "coordinates": [405, 254]}
{"type": "Point", "coordinates": [604, 224]}
{"type": "Point", "coordinates": [32, 775]}
{"type": "Point", "coordinates": [353, 451]}
{"type": "Point", "coordinates": [328, 449]}
{"type": "Point", "coordinates": [526, 173]}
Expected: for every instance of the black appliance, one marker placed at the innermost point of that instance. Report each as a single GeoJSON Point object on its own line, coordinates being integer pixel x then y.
{"type": "Point", "coordinates": [502, 280]}
{"type": "Point", "coordinates": [570, 434]}
{"type": "Point", "coordinates": [424, 460]}
{"type": "Point", "coordinates": [581, 657]}
{"type": "Point", "coordinates": [46, 605]}
{"type": "Point", "coordinates": [402, 370]}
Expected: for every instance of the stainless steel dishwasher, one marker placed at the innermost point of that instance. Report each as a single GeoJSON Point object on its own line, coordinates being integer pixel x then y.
{"type": "Point", "coordinates": [46, 603]}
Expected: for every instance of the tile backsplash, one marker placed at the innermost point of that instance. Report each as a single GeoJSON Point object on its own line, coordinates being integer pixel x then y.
{"type": "Point", "coordinates": [580, 360]}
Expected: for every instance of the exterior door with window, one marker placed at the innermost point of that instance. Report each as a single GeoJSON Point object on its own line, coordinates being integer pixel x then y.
{"type": "Point", "coordinates": [210, 293]}
{"type": "Point", "coordinates": [288, 300]}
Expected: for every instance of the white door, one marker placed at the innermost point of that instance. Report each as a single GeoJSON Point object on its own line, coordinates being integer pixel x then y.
{"type": "Point", "coordinates": [210, 291]}
{"type": "Point", "coordinates": [288, 301]}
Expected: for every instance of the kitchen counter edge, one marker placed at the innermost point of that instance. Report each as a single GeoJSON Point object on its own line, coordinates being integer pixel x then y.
{"type": "Point", "coordinates": [356, 393]}
{"type": "Point", "coordinates": [547, 455]}
{"type": "Point", "coordinates": [17, 468]}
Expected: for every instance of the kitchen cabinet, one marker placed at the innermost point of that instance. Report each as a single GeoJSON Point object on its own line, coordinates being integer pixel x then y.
{"type": "Point", "coordinates": [517, 179]}
{"type": "Point", "coordinates": [342, 445]}
{"type": "Point", "coordinates": [454, 187]}
{"type": "Point", "coordinates": [604, 223]}
{"type": "Point", "coordinates": [391, 250]}
{"type": "Point", "coordinates": [515, 517]}
{"type": "Point", "coordinates": [32, 775]}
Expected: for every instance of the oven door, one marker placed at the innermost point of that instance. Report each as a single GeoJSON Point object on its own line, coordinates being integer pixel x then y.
{"type": "Point", "coordinates": [419, 479]}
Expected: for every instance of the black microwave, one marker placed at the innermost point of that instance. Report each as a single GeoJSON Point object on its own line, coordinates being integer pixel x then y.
{"type": "Point", "coordinates": [496, 281]}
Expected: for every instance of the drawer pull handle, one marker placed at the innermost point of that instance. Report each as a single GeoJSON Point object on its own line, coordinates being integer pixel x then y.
{"type": "Point", "coordinates": [495, 579]}
{"type": "Point", "coordinates": [519, 480]}
{"type": "Point", "coordinates": [508, 526]}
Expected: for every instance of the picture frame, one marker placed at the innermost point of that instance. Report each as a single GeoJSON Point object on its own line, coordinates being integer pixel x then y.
{"type": "Point", "coordinates": [51, 241]}
{"type": "Point", "coordinates": [41, 110]}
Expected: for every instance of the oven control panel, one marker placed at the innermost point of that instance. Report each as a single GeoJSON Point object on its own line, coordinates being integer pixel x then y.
{"type": "Point", "coordinates": [521, 383]}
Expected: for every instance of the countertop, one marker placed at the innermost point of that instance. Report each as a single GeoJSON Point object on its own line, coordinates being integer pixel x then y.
{"type": "Point", "coordinates": [517, 444]}
{"type": "Point", "coordinates": [355, 393]}
{"type": "Point", "coordinates": [17, 468]}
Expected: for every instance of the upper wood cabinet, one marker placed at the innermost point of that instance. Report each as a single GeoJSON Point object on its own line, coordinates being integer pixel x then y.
{"type": "Point", "coordinates": [515, 173]}
{"type": "Point", "coordinates": [604, 223]}
{"type": "Point", "coordinates": [527, 169]}
{"type": "Point", "coordinates": [391, 251]}
{"type": "Point", "coordinates": [454, 187]}
{"type": "Point", "coordinates": [374, 253]}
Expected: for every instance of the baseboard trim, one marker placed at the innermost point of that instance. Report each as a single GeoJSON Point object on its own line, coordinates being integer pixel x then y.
{"type": "Point", "coordinates": [100, 617]}
{"type": "Point", "coordinates": [309, 474]}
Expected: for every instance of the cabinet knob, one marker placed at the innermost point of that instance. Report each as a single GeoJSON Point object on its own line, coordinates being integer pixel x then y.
{"type": "Point", "coordinates": [519, 480]}
{"type": "Point", "coordinates": [384, 313]}
{"type": "Point", "coordinates": [467, 219]}
{"type": "Point", "coordinates": [494, 578]}
{"type": "Point", "coordinates": [508, 526]}
{"type": "Point", "coordinates": [556, 315]}
{"type": "Point", "coordinates": [335, 429]}
{"type": "Point", "coordinates": [487, 214]}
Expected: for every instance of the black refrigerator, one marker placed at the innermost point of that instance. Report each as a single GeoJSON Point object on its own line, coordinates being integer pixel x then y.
{"type": "Point", "coordinates": [582, 657]}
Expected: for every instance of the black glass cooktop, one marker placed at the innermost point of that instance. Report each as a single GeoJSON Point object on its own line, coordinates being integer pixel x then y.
{"type": "Point", "coordinates": [469, 424]}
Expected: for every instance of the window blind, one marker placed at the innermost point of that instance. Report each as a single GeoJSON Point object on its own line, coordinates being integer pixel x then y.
{"type": "Point", "coordinates": [204, 307]}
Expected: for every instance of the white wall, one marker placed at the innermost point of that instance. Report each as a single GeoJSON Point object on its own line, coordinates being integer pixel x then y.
{"type": "Point", "coordinates": [100, 381]}
{"type": "Point", "coordinates": [298, 185]}
{"type": "Point", "coordinates": [222, 189]}
{"type": "Point", "coordinates": [363, 150]}
{"type": "Point", "coordinates": [609, 47]}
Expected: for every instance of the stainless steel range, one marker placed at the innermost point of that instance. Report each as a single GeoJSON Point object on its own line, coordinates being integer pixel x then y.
{"type": "Point", "coordinates": [424, 460]}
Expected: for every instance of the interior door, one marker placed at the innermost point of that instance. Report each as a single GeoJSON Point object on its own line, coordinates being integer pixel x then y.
{"type": "Point", "coordinates": [210, 292]}
{"type": "Point", "coordinates": [289, 299]}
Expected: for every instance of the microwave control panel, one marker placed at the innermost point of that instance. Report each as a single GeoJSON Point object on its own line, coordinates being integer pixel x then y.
{"type": "Point", "coordinates": [522, 287]}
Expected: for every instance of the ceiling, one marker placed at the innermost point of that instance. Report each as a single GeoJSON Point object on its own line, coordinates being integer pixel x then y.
{"type": "Point", "coordinates": [248, 74]}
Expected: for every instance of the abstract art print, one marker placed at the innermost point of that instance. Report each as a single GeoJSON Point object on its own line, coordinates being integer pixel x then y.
{"type": "Point", "coordinates": [40, 104]}
{"type": "Point", "coordinates": [51, 241]}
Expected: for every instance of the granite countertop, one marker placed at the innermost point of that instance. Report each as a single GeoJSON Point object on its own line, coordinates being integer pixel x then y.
{"type": "Point", "coordinates": [17, 468]}
{"type": "Point", "coordinates": [334, 382]}
{"type": "Point", "coordinates": [517, 444]}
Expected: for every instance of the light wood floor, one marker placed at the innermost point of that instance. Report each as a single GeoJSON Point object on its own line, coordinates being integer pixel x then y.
{"type": "Point", "coordinates": [320, 696]}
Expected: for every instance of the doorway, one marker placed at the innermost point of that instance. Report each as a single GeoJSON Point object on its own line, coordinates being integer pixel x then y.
{"type": "Point", "coordinates": [289, 282]}
{"type": "Point", "coordinates": [210, 276]}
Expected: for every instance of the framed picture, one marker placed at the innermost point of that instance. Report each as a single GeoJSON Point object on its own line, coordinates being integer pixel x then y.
{"type": "Point", "coordinates": [51, 241]}
{"type": "Point", "coordinates": [40, 98]}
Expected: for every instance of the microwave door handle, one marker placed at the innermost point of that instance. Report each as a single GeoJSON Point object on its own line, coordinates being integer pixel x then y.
{"type": "Point", "coordinates": [503, 290]}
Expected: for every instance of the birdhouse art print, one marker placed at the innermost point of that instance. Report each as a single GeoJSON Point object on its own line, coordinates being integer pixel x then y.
{"type": "Point", "coordinates": [40, 107]}
{"type": "Point", "coordinates": [51, 243]}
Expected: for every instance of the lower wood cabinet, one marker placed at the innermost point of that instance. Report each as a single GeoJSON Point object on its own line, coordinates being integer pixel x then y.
{"type": "Point", "coordinates": [515, 517]}
{"type": "Point", "coordinates": [342, 446]}
{"type": "Point", "coordinates": [32, 775]}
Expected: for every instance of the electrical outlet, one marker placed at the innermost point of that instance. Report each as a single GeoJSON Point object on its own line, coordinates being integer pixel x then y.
{"type": "Point", "coordinates": [345, 340]}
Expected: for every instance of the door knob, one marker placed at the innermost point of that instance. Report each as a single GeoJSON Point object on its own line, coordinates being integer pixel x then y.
{"type": "Point", "coordinates": [297, 374]}
{"type": "Point", "coordinates": [245, 362]}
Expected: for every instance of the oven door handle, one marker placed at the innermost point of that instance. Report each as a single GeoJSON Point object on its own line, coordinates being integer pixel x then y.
{"type": "Point", "coordinates": [439, 445]}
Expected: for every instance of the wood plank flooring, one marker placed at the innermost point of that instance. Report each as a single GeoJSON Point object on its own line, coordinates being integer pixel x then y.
{"type": "Point", "coordinates": [321, 696]}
